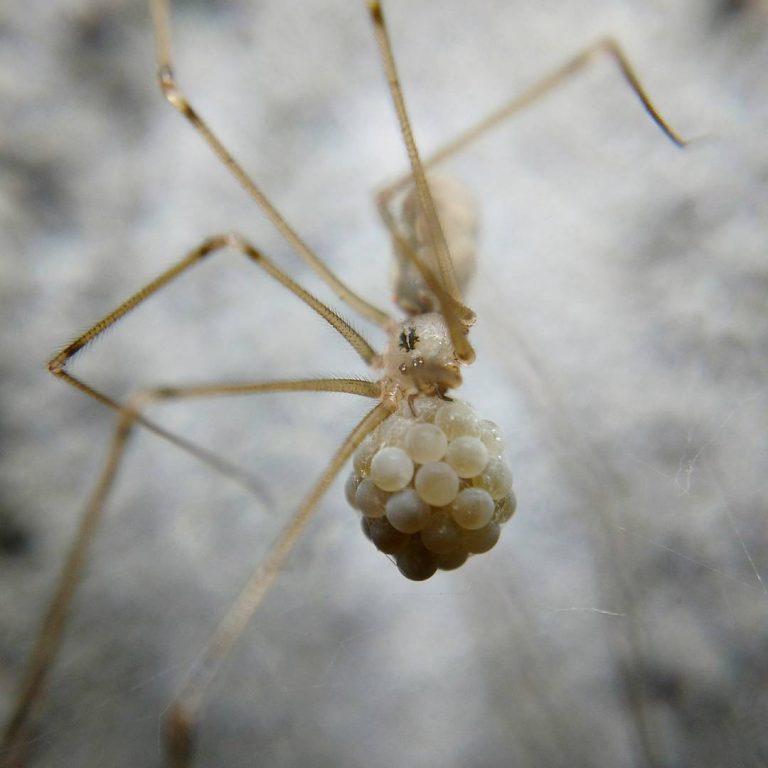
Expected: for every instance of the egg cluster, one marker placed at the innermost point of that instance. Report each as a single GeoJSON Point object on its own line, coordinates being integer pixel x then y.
{"type": "Point", "coordinates": [432, 487]}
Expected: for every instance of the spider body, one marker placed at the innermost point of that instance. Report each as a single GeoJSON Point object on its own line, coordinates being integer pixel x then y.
{"type": "Point", "coordinates": [428, 476]}
{"type": "Point", "coordinates": [429, 482]}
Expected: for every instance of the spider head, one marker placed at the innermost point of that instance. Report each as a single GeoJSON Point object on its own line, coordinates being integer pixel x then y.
{"type": "Point", "coordinates": [420, 356]}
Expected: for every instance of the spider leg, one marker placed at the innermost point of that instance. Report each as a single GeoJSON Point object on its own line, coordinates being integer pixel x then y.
{"type": "Point", "coordinates": [606, 46]}
{"type": "Point", "coordinates": [50, 634]}
{"type": "Point", "coordinates": [208, 247]}
{"type": "Point", "coordinates": [185, 710]}
{"type": "Point", "coordinates": [131, 414]}
{"type": "Point", "coordinates": [172, 92]}
{"type": "Point", "coordinates": [457, 315]}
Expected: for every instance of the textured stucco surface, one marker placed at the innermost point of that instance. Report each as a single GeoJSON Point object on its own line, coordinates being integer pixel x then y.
{"type": "Point", "coordinates": [622, 344]}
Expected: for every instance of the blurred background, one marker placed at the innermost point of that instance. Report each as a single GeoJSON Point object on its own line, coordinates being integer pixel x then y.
{"type": "Point", "coordinates": [622, 342]}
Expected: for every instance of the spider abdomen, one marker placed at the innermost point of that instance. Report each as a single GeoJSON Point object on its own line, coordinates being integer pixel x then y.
{"type": "Point", "coordinates": [457, 213]}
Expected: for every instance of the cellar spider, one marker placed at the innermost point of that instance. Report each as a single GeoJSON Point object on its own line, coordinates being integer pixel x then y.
{"type": "Point", "coordinates": [407, 384]}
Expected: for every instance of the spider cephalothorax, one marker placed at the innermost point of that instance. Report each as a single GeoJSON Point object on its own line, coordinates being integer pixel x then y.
{"type": "Point", "coordinates": [420, 357]}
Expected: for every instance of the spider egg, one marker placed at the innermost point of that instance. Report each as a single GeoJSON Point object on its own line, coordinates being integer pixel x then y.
{"type": "Point", "coordinates": [361, 461]}
{"type": "Point", "coordinates": [473, 508]}
{"type": "Point", "coordinates": [391, 469]}
{"type": "Point", "coordinates": [457, 419]}
{"type": "Point", "coordinates": [384, 537]}
{"type": "Point", "coordinates": [505, 508]}
{"type": "Point", "coordinates": [483, 539]}
{"type": "Point", "coordinates": [437, 483]}
{"type": "Point", "coordinates": [393, 431]}
{"type": "Point", "coordinates": [406, 512]}
{"type": "Point", "coordinates": [370, 499]}
{"type": "Point", "coordinates": [431, 485]}
{"type": "Point", "coordinates": [441, 535]}
{"type": "Point", "coordinates": [452, 560]}
{"type": "Point", "coordinates": [496, 479]}
{"type": "Point", "coordinates": [490, 434]}
{"type": "Point", "coordinates": [350, 489]}
{"type": "Point", "coordinates": [415, 562]}
{"type": "Point", "coordinates": [467, 455]}
{"type": "Point", "coordinates": [425, 442]}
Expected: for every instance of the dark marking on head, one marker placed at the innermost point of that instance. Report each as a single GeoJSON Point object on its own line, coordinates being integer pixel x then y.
{"type": "Point", "coordinates": [408, 341]}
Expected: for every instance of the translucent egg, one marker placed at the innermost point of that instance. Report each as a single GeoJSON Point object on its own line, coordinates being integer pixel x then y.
{"type": "Point", "coordinates": [431, 485]}
{"type": "Point", "coordinates": [457, 419]}
{"type": "Point", "coordinates": [496, 478]}
{"type": "Point", "coordinates": [473, 508]}
{"type": "Point", "coordinates": [391, 469]}
{"type": "Point", "coordinates": [437, 483]}
{"type": "Point", "coordinates": [369, 499]}
{"type": "Point", "coordinates": [406, 512]}
{"type": "Point", "coordinates": [467, 455]}
{"type": "Point", "coordinates": [441, 534]}
{"type": "Point", "coordinates": [415, 562]}
{"type": "Point", "coordinates": [384, 537]}
{"type": "Point", "coordinates": [490, 434]}
{"type": "Point", "coordinates": [450, 561]}
{"type": "Point", "coordinates": [350, 489]}
{"type": "Point", "coordinates": [483, 539]}
{"type": "Point", "coordinates": [505, 508]}
{"type": "Point", "coordinates": [425, 442]}
{"type": "Point", "coordinates": [361, 461]}
{"type": "Point", "coordinates": [393, 431]}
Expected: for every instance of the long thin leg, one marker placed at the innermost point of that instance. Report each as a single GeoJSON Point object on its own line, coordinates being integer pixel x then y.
{"type": "Point", "coordinates": [349, 386]}
{"type": "Point", "coordinates": [49, 635]}
{"type": "Point", "coordinates": [209, 246]}
{"type": "Point", "coordinates": [172, 92]}
{"type": "Point", "coordinates": [57, 365]}
{"type": "Point", "coordinates": [184, 712]}
{"type": "Point", "coordinates": [53, 626]}
{"type": "Point", "coordinates": [605, 46]}
{"type": "Point", "coordinates": [454, 311]}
